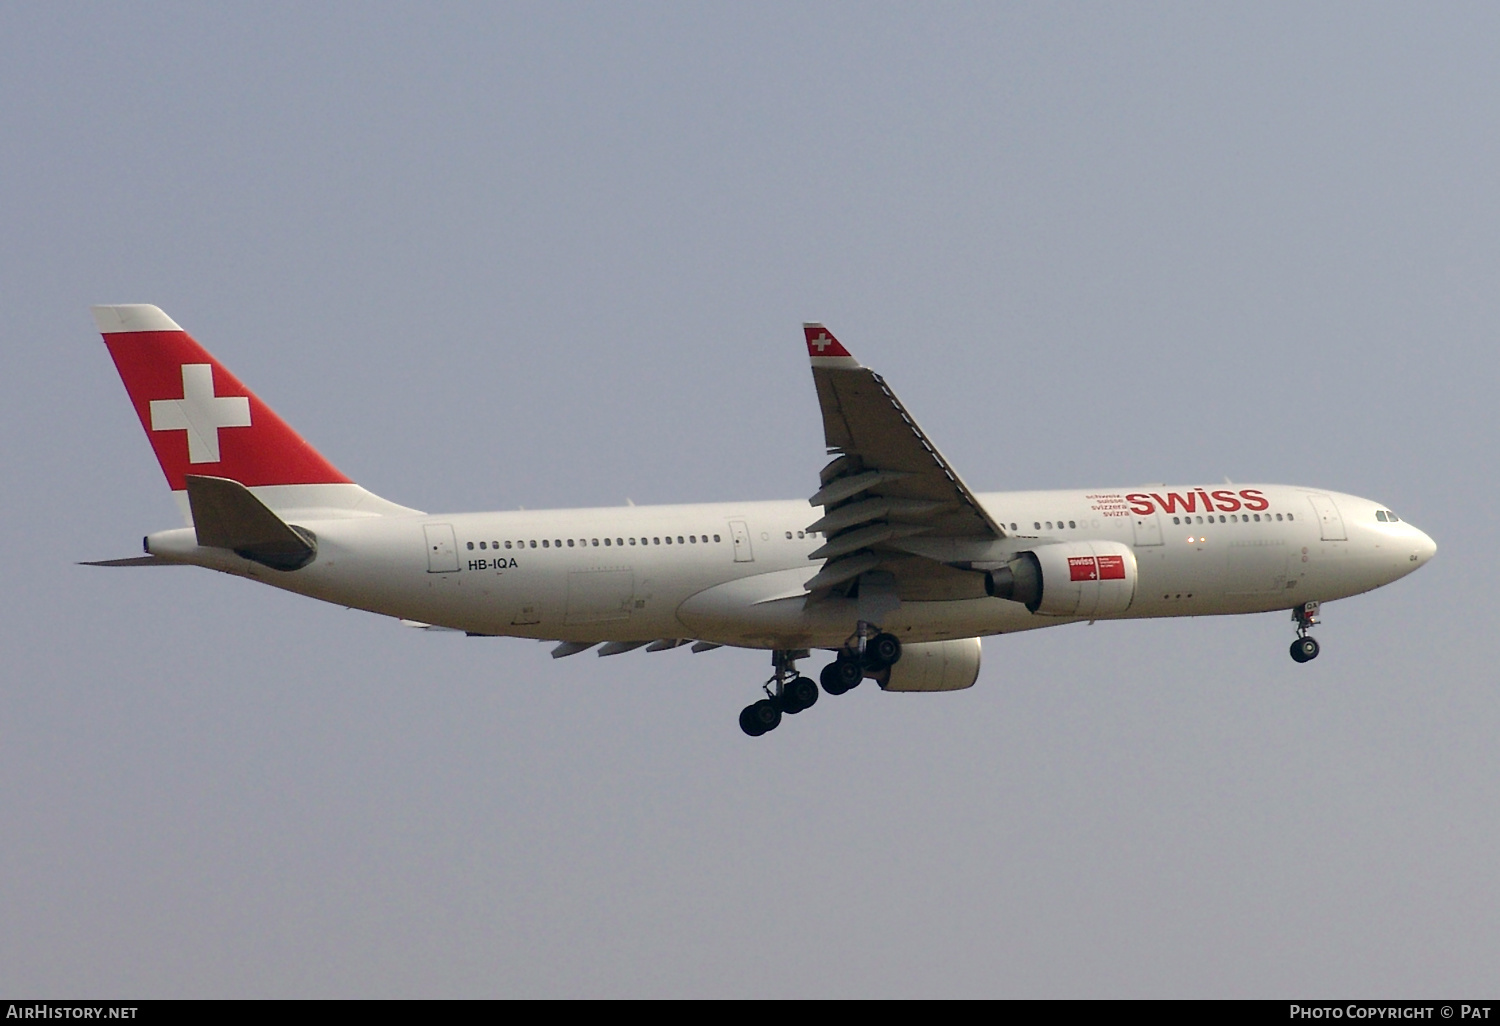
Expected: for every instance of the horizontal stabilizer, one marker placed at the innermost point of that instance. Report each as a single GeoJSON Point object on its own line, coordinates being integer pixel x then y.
{"type": "Point", "coordinates": [227, 516]}
{"type": "Point", "coordinates": [129, 561]}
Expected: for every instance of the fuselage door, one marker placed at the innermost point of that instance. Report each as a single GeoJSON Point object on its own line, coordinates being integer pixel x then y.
{"type": "Point", "coordinates": [442, 548]}
{"type": "Point", "coordinates": [741, 535]}
{"type": "Point", "coordinates": [1147, 529]}
{"type": "Point", "coordinates": [1329, 521]}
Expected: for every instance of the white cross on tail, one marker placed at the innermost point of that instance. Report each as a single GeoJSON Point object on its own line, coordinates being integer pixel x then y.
{"type": "Point", "coordinates": [200, 413]}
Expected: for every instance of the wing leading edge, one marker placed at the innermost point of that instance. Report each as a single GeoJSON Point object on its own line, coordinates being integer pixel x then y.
{"type": "Point", "coordinates": [892, 504]}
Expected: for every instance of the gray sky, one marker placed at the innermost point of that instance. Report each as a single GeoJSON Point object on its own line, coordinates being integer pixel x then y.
{"type": "Point", "coordinates": [488, 256]}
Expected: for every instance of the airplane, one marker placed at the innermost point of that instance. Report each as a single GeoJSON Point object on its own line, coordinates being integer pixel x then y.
{"type": "Point", "coordinates": [900, 575]}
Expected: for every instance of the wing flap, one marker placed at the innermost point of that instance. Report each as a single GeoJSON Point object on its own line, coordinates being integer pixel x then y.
{"type": "Point", "coordinates": [865, 537]}
{"type": "Point", "coordinates": [856, 513]}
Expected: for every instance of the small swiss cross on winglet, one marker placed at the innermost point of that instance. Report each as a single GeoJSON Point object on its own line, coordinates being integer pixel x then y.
{"type": "Point", "coordinates": [821, 343]}
{"type": "Point", "coordinates": [826, 350]}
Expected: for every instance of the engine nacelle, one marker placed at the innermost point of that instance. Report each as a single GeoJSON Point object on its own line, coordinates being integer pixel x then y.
{"type": "Point", "coordinates": [935, 666]}
{"type": "Point", "coordinates": [1092, 578]}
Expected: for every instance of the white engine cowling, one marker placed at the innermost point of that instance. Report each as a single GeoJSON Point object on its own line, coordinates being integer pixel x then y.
{"type": "Point", "coordinates": [935, 666]}
{"type": "Point", "coordinates": [1089, 578]}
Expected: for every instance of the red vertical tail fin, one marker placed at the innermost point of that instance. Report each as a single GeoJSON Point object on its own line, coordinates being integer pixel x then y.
{"type": "Point", "coordinates": [201, 420]}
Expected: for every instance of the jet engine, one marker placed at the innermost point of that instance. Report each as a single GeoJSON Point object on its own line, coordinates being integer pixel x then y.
{"type": "Point", "coordinates": [934, 666]}
{"type": "Point", "coordinates": [1092, 578]}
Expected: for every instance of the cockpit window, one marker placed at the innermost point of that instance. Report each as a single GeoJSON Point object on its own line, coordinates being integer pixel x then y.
{"type": "Point", "coordinates": [1385, 516]}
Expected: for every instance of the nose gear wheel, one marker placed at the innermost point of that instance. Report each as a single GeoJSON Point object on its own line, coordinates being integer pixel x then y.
{"type": "Point", "coordinates": [1305, 648]}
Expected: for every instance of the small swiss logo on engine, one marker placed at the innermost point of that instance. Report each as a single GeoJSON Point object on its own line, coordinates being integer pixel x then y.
{"type": "Point", "coordinates": [1083, 568]}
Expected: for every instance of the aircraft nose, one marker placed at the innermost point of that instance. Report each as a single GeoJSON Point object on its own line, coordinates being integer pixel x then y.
{"type": "Point", "coordinates": [1424, 549]}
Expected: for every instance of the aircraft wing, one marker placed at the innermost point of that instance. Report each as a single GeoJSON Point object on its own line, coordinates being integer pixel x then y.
{"type": "Point", "coordinates": [891, 503]}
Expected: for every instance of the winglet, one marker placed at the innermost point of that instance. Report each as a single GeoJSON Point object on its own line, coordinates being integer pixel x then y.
{"type": "Point", "coordinates": [824, 349]}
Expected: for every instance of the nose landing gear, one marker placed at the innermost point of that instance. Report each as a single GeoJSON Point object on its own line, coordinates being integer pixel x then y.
{"type": "Point", "coordinates": [1305, 648]}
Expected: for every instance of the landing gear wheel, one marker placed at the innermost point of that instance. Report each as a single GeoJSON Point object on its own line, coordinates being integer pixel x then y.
{"type": "Point", "coordinates": [800, 694]}
{"type": "Point", "coordinates": [842, 675]}
{"type": "Point", "coordinates": [1305, 649]}
{"type": "Point", "coordinates": [884, 650]}
{"type": "Point", "coordinates": [759, 717]}
{"type": "Point", "coordinates": [748, 722]}
{"type": "Point", "coordinates": [831, 679]}
{"type": "Point", "coordinates": [767, 713]}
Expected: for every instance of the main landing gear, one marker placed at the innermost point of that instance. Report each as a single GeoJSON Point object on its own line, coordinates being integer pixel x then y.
{"type": "Point", "coordinates": [788, 693]}
{"type": "Point", "coordinates": [870, 657]}
{"type": "Point", "coordinates": [1305, 648]}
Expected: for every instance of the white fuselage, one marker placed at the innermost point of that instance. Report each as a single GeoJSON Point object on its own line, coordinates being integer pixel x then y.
{"type": "Point", "coordinates": [732, 573]}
